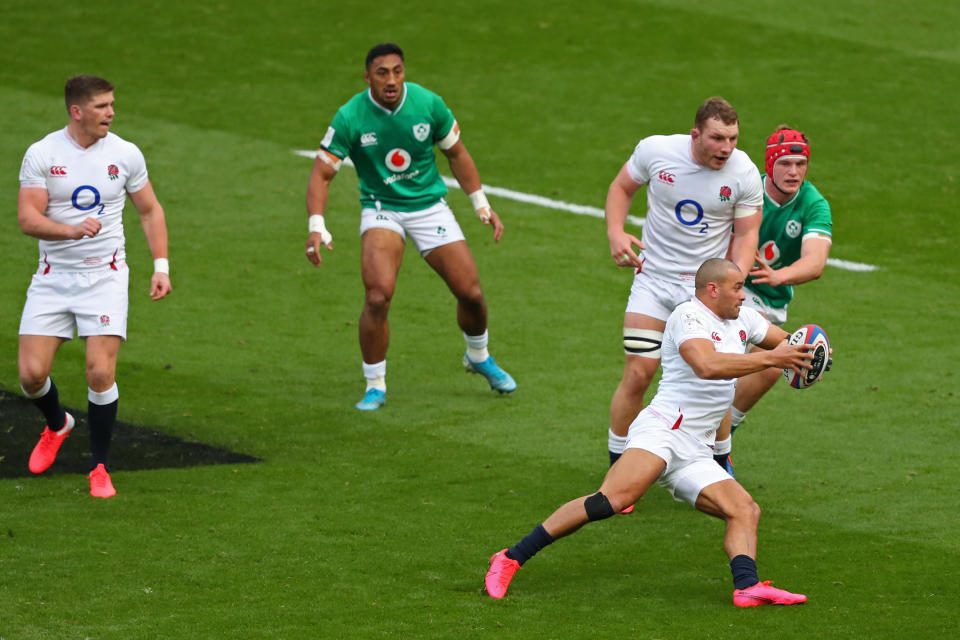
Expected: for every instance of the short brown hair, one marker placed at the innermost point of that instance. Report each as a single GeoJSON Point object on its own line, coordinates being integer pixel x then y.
{"type": "Point", "coordinates": [715, 107]}
{"type": "Point", "coordinates": [81, 89]}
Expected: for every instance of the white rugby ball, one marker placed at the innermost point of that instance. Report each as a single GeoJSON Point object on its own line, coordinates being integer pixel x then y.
{"type": "Point", "coordinates": [815, 335]}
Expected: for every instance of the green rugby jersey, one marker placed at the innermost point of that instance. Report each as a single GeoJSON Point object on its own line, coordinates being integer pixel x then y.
{"type": "Point", "coordinates": [393, 150]}
{"type": "Point", "coordinates": [782, 232]}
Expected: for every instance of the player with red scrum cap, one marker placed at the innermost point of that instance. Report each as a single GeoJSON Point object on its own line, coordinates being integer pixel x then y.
{"type": "Point", "coordinates": [795, 239]}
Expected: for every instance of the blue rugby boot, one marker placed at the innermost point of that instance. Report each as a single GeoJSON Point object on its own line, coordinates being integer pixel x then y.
{"type": "Point", "coordinates": [499, 379]}
{"type": "Point", "coordinates": [373, 399]}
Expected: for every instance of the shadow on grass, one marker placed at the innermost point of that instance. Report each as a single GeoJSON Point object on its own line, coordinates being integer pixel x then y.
{"type": "Point", "coordinates": [133, 448]}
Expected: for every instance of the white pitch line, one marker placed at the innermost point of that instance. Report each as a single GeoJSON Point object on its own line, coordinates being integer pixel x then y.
{"type": "Point", "coordinates": [580, 209]}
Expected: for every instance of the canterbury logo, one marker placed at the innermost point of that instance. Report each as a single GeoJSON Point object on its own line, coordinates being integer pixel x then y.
{"type": "Point", "coordinates": [58, 170]}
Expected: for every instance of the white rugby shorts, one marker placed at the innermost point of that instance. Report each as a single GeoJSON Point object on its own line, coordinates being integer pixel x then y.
{"type": "Point", "coordinates": [90, 303]}
{"type": "Point", "coordinates": [774, 315]}
{"type": "Point", "coordinates": [656, 298]}
{"type": "Point", "coordinates": [690, 464]}
{"type": "Point", "coordinates": [429, 228]}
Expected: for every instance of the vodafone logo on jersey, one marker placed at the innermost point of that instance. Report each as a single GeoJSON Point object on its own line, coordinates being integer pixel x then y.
{"type": "Point", "coordinates": [770, 252]}
{"type": "Point", "coordinates": [58, 170]}
{"type": "Point", "coordinates": [397, 160]}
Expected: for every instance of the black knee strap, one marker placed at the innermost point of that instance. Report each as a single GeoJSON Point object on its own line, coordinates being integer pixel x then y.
{"type": "Point", "coordinates": [598, 507]}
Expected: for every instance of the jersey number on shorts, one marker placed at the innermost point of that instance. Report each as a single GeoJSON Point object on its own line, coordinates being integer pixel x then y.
{"type": "Point", "coordinates": [695, 221]}
{"type": "Point", "coordinates": [92, 205]}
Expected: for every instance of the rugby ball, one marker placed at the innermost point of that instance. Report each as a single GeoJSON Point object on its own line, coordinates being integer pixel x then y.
{"type": "Point", "coordinates": [815, 335]}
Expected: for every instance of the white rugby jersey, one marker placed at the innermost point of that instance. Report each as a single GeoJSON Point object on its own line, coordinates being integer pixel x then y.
{"type": "Point", "coordinates": [690, 208]}
{"type": "Point", "coordinates": [682, 397]}
{"type": "Point", "coordinates": [82, 183]}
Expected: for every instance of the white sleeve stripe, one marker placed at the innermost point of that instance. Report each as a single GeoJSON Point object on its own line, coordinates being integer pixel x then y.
{"type": "Point", "coordinates": [451, 138]}
{"type": "Point", "coordinates": [744, 211]}
{"type": "Point", "coordinates": [329, 158]}
{"type": "Point", "coordinates": [819, 235]}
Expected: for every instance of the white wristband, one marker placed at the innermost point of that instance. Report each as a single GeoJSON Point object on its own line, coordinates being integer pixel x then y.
{"type": "Point", "coordinates": [317, 224]}
{"type": "Point", "coordinates": [480, 204]}
{"type": "Point", "coordinates": [161, 265]}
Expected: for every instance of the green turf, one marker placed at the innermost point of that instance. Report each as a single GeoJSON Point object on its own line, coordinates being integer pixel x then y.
{"type": "Point", "coordinates": [380, 526]}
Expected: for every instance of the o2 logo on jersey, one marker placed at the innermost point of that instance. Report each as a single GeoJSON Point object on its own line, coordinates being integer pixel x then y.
{"type": "Point", "coordinates": [686, 207]}
{"type": "Point", "coordinates": [83, 201]}
{"type": "Point", "coordinates": [770, 252]}
{"type": "Point", "coordinates": [397, 160]}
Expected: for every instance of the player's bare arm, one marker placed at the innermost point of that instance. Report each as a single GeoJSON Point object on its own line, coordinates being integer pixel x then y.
{"type": "Point", "coordinates": [619, 197]}
{"type": "Point", "coordinates": [32, 202]}
{"type": "Point", "coordinates": [813, 258]}
{"type": "Point", "coordinates": [746, 239]}
{"type": "Point", "coordinates": [154, 223]}
{"type": "Point", "coordinates": [709, 364]}
{"type": "Point", "coordinates": [324, 171]}
{"type": "Point", "coordinates": [464, 169]}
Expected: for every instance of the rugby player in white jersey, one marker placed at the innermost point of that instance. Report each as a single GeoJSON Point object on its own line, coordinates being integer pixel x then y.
{"type": "Point", "coordinates": [73, 186]}
{"type": "Point", "coordinates": [700, 187]}
{"type": "Point", "coordinates": [671, 442]}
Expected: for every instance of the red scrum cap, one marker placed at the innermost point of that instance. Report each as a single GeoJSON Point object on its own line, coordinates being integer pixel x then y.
{"type": "Point", "coordinates": [783, 143]}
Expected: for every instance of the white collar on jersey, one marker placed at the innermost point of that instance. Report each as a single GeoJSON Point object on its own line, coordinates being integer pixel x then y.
{"type": "Point", "coordinates": [383, 108]}
{"type": "Point", "coordinates": [699, 302]}
{"type": "Point", "coordinates": [777, 204]}
{"type": "Point", "coordinates": [66, 134]}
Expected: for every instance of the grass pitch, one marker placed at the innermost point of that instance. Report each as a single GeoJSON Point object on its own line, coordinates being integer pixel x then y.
{"type": "Point", "coordinates": [381, 525]}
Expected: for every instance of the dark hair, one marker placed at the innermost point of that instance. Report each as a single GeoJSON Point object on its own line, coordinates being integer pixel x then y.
{"type": "Point", "coordinates": [715, 107]}
{"type": "Point", "coordinates": [384, 49]}
{"type": "Point", "coordinates": [80, 89]}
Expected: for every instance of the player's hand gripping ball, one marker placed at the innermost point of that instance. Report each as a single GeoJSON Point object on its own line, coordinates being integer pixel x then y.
{"type": "Point", "coordinates": [815, 335]}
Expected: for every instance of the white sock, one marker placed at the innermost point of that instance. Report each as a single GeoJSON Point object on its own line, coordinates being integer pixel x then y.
{"type": "Point", "coordinates": [736, 416]}
{"type": "Point", "coordinates": [376, 375]}
{"type": "Point", "coordinates": [44, 390]}
{"type": "Point", "coordinates": [104, 397]}
{"type": "Point", "coordinates": [477, 346]}
{"type": "Point", "coordinates": [615, 443]}
{"type": "Point", "coordinates": [723, 447]}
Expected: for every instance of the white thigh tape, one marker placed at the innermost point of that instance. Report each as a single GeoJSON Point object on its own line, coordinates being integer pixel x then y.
{"type": "Point", "coordinates": [642, 342]}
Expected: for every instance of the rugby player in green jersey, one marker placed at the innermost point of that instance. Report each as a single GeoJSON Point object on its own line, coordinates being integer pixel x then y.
{"type": "Point", "coordinates": [389, 132]}
{"type": "Point", "coordinates": [795, 238]}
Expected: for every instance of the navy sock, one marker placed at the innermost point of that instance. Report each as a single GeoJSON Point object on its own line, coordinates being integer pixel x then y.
{"type": "Point", "coordinates": [49, 405]}
{"type": "Point", "coordinates": [744, 570]}
{"type": "Point", "coordinates": [614, 457]}
{"type": "Point", "coordinates": [530, 545]}
{"type": "Point", "coordinates": [102, 417]}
